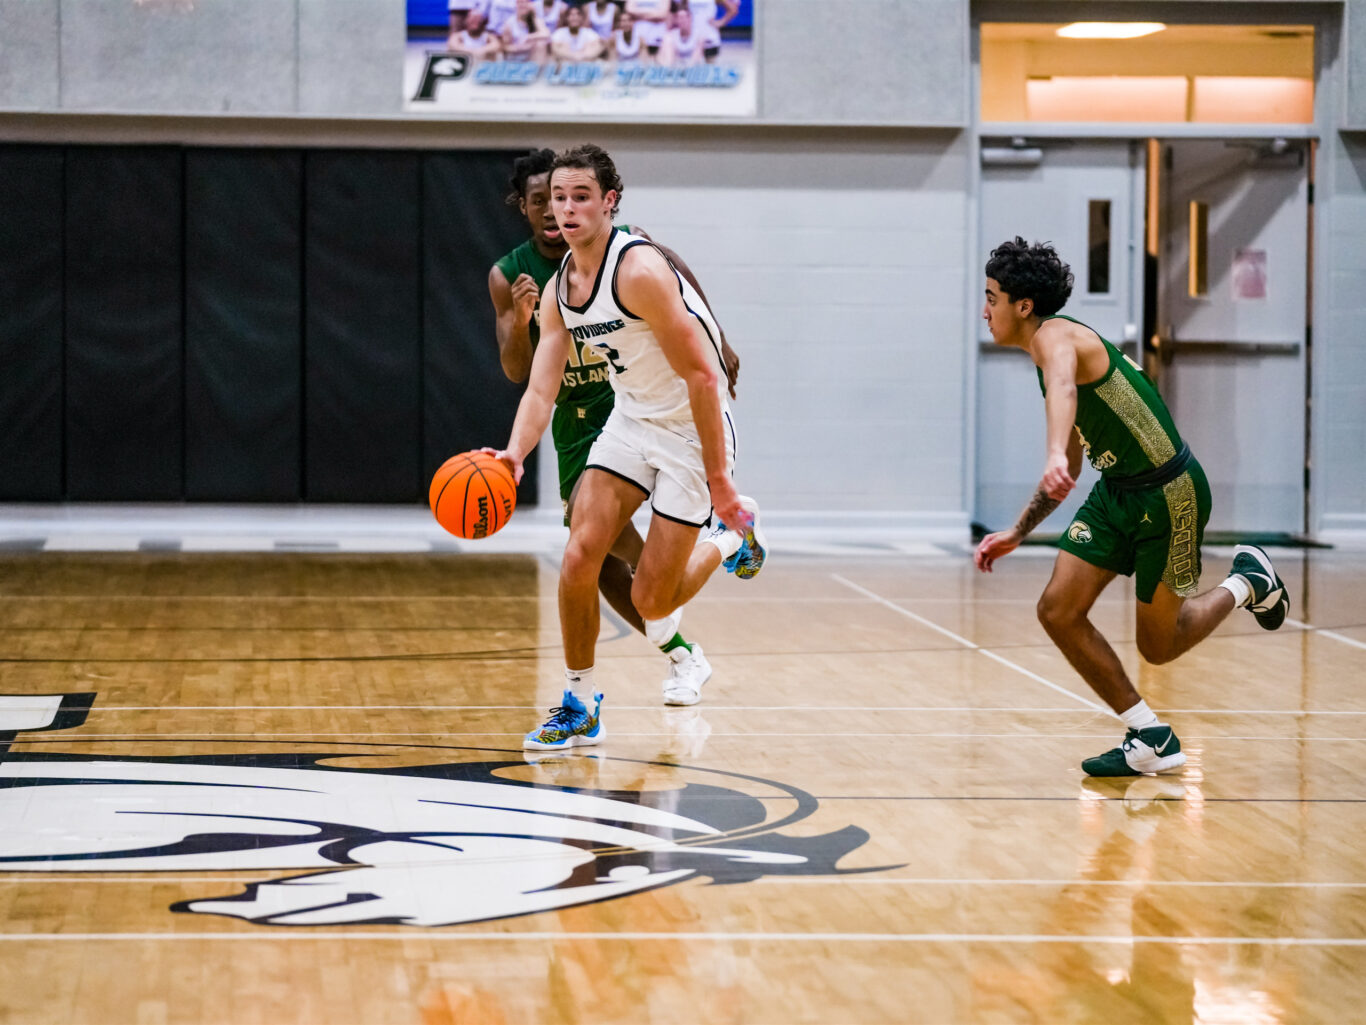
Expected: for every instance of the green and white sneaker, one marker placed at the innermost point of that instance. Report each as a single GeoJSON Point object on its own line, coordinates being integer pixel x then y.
{"type": "Point", "coordinates": [1270, 602]}
{"type": "Point", "coordinates": [1151, 749]}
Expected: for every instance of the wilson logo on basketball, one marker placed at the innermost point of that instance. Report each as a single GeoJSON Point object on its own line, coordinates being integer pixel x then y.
{"type": "Point", "coordinates": [481, 525]}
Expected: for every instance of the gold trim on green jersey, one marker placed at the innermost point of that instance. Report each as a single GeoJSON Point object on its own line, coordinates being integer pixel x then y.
{"type": "Point", "coordinates": [1120, 395]}
{"type": "Point", "coordinates": [1182, 572]}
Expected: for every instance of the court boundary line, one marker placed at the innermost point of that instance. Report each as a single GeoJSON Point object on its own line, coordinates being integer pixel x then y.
{"type": "Point", "coordinates": [410, 935]}
{"type": "Point", "coordinates": [133, 877]}
{"type": "Point", "coordinates": [711, 708]}
{"type": "Point", "coordinates": [1324, 632]}
{"type": "Point", "coordinates": [264, 735]}
{"type": "Point", "coordinates": [969, 644]}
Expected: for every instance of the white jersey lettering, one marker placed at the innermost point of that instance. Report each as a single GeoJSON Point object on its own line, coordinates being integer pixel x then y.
{"type": "Point", "coordinates": [646, 386]}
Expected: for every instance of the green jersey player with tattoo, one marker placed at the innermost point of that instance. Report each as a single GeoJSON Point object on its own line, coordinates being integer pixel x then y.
{"type": "Point", "coordinates": [1144, 518]}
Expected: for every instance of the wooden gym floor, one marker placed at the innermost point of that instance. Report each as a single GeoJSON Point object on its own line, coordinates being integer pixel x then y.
{"type": "Point", "coordinates": [289, 788]}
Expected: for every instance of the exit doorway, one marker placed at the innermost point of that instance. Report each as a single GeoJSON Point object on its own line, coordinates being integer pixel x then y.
{"type": "Point", "coordinates": [1190, 254]}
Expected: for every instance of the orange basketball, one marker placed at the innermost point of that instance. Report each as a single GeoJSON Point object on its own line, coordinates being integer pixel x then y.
{"type": "Point", "coordinates": [473, 495]}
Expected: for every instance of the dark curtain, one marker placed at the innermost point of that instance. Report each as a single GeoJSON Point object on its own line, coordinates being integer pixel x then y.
{"type": "Point", "coordinates": [467, 401]}
{"type": "Point", "coordinates": [31, 322]}
{"type": "Point", "coordinates": [243, 316]}
{"type": "Point", "coordinates": [362, 327]}
{"type": "Point", "coordinates": [124, 367]}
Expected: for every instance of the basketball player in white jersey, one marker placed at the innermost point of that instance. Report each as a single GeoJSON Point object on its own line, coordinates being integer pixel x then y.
{"type": "Point", "coordinates": [475, 38]}
{"type": "Point", "coordinates": [551, 12]}
{"type": "Point", "coordinates": [574, 42]}
{"type": "Point", "coordinates": [669, 438]}
{"type": "Point", "coordinates": [689, 42]}
{"type": "Point", "coordinates": [459, 10]}
{"type": "Point", "coordinates": [704, 12]}
{"type": "Point", "coordinates": [652, 23]}
{"type": "Point", "coordinates": [499, 13]}
{"type": "Point", "coordinates": [602, 17]}
{"type": "Point", "coordinates": [525, 37]}
{"type": "Point", "coordinates": [626, 40]}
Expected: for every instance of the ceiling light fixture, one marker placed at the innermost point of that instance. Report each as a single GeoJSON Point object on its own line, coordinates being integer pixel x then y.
{"type": "Point", "coordinates": [1110, 29]}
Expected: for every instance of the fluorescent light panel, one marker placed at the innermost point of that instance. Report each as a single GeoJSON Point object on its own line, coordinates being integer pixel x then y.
{"type": "Point", "coordinates": [1110, 29]}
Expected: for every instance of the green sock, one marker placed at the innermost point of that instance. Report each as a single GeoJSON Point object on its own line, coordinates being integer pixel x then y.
{"type": "Point", "coordinates": [676, 641]}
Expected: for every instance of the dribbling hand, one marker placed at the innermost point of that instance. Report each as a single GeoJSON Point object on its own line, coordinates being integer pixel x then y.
{"type": "Point", "coordinates": [993, 547]}
{"type": "Point", "coordinates": [508, 459]}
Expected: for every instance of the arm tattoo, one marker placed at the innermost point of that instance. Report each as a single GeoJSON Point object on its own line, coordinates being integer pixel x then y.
{"type": "Point", "coordinates": [1036, 512]}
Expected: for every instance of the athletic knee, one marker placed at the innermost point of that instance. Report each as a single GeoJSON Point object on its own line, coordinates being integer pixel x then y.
{"type": "Point", "coordinates": [650, 600]}
{"type": "Point", "coordinates": [580, 561]}
{"type": "Point", "coordinates": [1156, 650]}
{"type": "Point", "coordinates": [1055, 615]}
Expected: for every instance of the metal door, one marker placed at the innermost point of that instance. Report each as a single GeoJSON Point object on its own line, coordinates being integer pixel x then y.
{"type": "Point", "coordinates": [1087, 199]}
{"type": "Point", "coordinates": [1232, 314]}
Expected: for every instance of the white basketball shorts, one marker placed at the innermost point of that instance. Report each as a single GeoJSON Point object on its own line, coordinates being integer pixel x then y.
{"type": "Point", "coordinates": [663, 460]}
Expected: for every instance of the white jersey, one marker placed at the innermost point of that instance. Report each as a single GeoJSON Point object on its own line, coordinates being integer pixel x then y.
{"type": "Point", "coordinates": [602, 22]}
{"type": "Point", "coordinates": [652, 20]}
{"type": "Point", "coordinates": [583, 44]}
{"type": "Point", "coordinates": [553, 14]}
{"type": "Point", "coordinates": [516, 39]}
{"type": "Point", "coordinates": [467, 43]}
{"type": "Point", "coordinates": [688, 50]}
{"type": "Point", "coordinates": [500, 12]}
{"type": "Point", "coordinates": [647, 388]}
{"type": "Point", "coordinates": [703, 11]}
{"type": "Point", "coordinates": [628, 50]}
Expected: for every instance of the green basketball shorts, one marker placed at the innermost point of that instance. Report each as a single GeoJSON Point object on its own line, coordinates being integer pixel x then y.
{"type": "Point", "coordinates": [574, 429]}
{"type": "Point", "coordinates": [1153, 535]}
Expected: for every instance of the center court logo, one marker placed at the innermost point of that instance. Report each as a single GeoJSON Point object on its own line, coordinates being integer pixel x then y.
{"type": "Point", "coordinates": [1079, 532]}
{"type": "Point", "coordinates": [426, 845]}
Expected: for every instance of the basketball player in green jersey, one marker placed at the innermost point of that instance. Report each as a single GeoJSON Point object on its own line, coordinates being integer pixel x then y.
{"type": "Point", "coordinates": [1145, 516]}
{"type": "Point", "coordinates": [584, 402]}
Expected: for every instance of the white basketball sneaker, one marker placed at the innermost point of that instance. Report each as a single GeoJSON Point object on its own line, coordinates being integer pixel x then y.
{"type": "Point", "coordinates": [688, 670]}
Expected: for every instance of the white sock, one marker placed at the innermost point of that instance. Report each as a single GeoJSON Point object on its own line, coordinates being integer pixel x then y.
{"type": "Point", "coordinates": [1241, 590]}
{"type": "Point", "coordinates": [660, 632]}
{"type": "Point", "coordinates": [580, 683]}
{"type": "Point", "coordinates": [727, 541]}
{"type": "Point", "coordinates": [1140, 717]}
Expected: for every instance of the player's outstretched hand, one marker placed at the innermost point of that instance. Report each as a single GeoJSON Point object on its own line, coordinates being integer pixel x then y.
{"type": "Point", "coordinates": [994, 546]}
{"type": "Point", "coordinates": [512, 462]}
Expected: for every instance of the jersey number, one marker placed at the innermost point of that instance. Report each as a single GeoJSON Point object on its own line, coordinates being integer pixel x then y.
{"type": "Point", "coordinates": [612, 357]}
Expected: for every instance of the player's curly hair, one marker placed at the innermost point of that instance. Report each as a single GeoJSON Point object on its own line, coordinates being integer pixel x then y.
{"type": "Point", "coordinates": [596, 159]}
{"type": "Point", "coordinates": [524, 168]}
{"type": "Point", "coordinates": [1031, 272]}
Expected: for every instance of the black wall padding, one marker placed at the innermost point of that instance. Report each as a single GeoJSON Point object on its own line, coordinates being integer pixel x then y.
{"type": "Point", "coordinates": [362, 327]}
{"type": "Point", "coordinates": [30, 323]}
{"type": "Point", "coordinates": [124, 371]}
{"type": "Point", "coordinates": [468, 402]}
{"type": "Point", "coordinates": [243, 316]}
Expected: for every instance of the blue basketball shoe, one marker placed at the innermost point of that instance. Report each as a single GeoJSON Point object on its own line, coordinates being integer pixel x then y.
{"type": "Point", "coordinates": [749, 558]}
{"type": "Point", "coordinates": [570, 725]}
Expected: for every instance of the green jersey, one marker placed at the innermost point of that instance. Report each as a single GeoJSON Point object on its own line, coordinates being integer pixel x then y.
{"type": "Point", "coordinates": [586, 381]}
{"type": "Point", "coordinates": [1122, 421]}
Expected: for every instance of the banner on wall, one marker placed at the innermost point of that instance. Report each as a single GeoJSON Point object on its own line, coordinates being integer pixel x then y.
{"type": "Point", "coordinates": [571, 58]}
